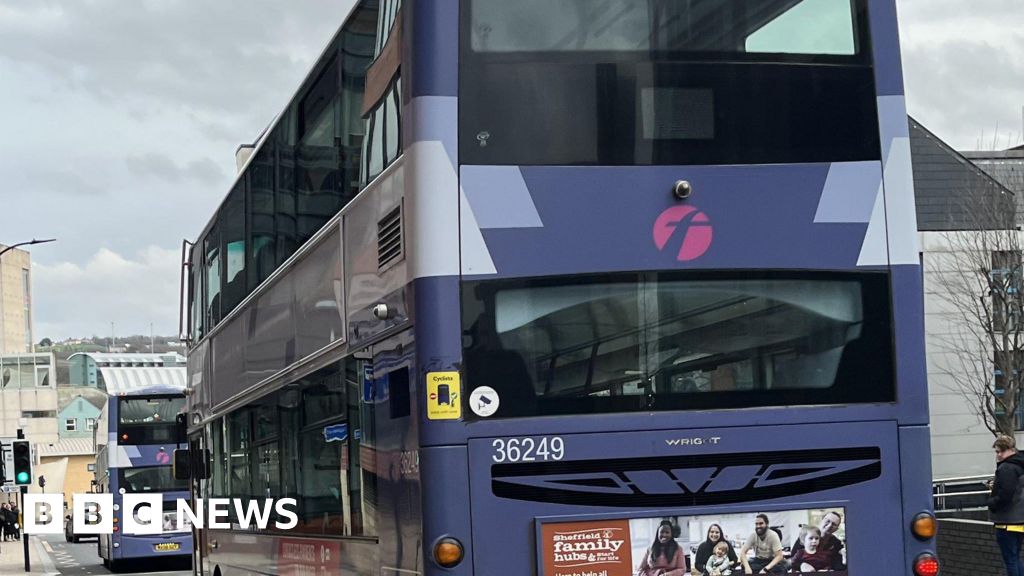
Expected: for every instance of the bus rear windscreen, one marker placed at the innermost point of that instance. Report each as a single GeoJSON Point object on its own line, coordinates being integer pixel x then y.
{"type": "Point", "coordinates": [148, 420]}
{"type": "Point", "coordinates": [665, 82]}
{"type": "Point", "coordinates": [665, 341]}
{"type": "Point", "coordinates": [149, 479]}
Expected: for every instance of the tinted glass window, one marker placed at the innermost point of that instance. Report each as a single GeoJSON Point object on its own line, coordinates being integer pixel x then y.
{"type": "Point", "coordinates": [302, 174]}
{"type": "Point", "coordinates": [671, 342]}
{"type": "Point", "coordinates": [769, 26]}
{"type": "Point", "coordinates": [150, 479]}
{"type": "Point", "coordinates": [318, 186]}
{"type": "Point", "coordinates": [213, 277]}
{"type": "Point", "coordinates": [219, 460]}
{"type": "Point", "coordinates": [266, 451]}
{"type": "Point", "coordinates": [323, 395]}
{"type": "Point", "coordinates": [261, 248]}
{"type": "Point", "coordinates": [666, 82]}
{"type": "Point", "coordinates": [393, 135]}
{"type": "Point", "coordinates": [268, 470]}
{"type": "Point", "coordinates": [231, 223]}
{"type": "Point", "coordinates": [149, 411]}
{"type": "Point", "coordinates": [239, 447]}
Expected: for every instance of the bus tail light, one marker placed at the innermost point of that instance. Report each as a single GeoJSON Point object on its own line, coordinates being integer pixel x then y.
{"type": "Point", "coordinates": [926, 565]}
{"type": "Point", "coordinates": [924, 526]}
{"type": "Point", "coordinates": [448, 552]}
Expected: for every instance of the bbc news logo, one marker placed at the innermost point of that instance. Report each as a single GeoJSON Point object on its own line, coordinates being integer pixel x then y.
{"type": "Point", "coordinates": [144, 514]}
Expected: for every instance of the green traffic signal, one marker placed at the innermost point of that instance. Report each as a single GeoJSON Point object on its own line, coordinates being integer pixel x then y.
{"type": "Point", "coordinates": [22, 452]}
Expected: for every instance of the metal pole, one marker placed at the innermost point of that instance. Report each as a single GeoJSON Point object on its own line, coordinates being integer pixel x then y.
{"type": "Point", "coordinates": [29, 243]}
{"type": "Point", "coordinates": [21, 524]}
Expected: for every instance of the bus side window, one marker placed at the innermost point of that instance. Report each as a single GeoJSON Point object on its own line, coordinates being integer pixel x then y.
{"type": "Point", "coordinates": [399, 385]}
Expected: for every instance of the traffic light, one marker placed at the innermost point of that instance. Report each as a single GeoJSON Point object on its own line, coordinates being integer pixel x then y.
{"type": "Point", "coordinates": [22, 462]}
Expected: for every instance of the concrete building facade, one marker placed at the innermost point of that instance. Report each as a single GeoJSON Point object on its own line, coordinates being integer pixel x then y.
{"type": "Point", "coordinates": [15, 302]}
{"type": "Point", "coordinates": [28, 396]}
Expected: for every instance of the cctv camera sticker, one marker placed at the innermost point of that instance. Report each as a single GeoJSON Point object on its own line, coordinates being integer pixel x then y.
{"type": "Point", "coordinates": [484, 401]}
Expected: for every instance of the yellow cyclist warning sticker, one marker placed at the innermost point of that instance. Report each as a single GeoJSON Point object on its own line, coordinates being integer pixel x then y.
{"type": "Point", "coordinates": [443, 401]}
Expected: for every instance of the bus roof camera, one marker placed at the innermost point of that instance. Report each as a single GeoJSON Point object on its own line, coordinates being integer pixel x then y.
{"type": "Point", "coordinates": [682, 190]}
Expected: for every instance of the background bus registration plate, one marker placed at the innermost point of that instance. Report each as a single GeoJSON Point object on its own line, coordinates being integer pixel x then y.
{"type": "Point", "coordinates": [167, 546]}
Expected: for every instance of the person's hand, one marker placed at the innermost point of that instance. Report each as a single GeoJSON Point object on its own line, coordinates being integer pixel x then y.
{"type": "Point", "coordinates": [747, 571]}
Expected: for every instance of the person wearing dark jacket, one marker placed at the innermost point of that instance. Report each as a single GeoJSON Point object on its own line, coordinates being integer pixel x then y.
{"type": "Point", "coordinates": [10, 519]}
{"type": "Point", "coordinates": [1005, 504]}
{"type": "Point", "coordinates": [6, 529]}
{"type": "Point", "coordinates": [16, 520]}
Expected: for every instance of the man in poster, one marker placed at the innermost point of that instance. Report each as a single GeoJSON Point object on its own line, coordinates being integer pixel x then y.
{"type": "Point", "coordinates": [767, 549]}
{"type": "Point", "coordinates": [830, 544]}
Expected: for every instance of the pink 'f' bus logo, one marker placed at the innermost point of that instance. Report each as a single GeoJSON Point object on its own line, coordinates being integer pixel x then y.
{"type": "Point", "coordinates": [694, 226]}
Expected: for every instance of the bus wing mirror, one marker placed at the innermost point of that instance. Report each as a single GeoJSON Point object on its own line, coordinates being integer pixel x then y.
{"type": "Point", "coordinates": [182, 470]}
{"type": "Point", "coordinates": [180, 428]}
{"type": "Point", "coordinates": [188, 464]}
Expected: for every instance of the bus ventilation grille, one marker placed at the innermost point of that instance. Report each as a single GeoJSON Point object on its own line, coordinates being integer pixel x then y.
{"type": "Point", "coordinates": [389, 239]}
{"type": "Point", "coordinates": [687, 480]}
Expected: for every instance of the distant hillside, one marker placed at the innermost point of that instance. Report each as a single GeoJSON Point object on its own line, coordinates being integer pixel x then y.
{"type": "Point", "coordinates": [137, 343]}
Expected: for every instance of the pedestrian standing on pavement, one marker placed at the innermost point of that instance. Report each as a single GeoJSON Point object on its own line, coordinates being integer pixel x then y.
{"type": "Point", "coordinates": [15, 520]}
{"type": "Point", "coordinates": [1005, 504]}
{"type": "Point", "coordinates": [6, 526]}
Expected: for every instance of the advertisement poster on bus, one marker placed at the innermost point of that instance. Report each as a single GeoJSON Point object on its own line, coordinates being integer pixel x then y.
{"type": "Point", "coordinates": [303, 557]}
{"type": "Point", "coordinates": [806, 541]}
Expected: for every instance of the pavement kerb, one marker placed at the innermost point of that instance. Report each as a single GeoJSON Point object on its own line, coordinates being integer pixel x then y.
{"type": "Point", "coordinates": [41, 557]}
{"type": "Point", "coordinates": [12, 559]}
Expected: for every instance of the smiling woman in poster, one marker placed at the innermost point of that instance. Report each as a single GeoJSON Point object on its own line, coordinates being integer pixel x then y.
{"type": "Point", "coordinates": [707, 549]}
{"type": "Point", "coordinates": [665, 557]}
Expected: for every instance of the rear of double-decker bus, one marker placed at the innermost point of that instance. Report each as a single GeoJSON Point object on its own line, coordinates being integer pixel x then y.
{"type": "Point", "coordinates": [688, 284]}
{"type": "Point", "coordinates": [141, 439]}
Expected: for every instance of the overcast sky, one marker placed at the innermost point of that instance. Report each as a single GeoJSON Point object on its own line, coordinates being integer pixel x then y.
{"type": "Point", "coordinates": [119, 121]}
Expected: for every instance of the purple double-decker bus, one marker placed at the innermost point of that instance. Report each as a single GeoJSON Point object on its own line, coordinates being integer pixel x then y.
{"type": "Point", "coordinates": [141, 437]}
{"type": "Point", "coordinates": [568, 288]}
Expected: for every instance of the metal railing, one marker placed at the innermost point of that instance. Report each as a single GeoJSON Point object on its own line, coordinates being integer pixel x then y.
{"type": "Point", "coordinates": [961, 494]}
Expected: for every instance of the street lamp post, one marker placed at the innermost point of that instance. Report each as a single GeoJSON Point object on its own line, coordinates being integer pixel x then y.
{"type": "Point", "coordinates": [32, 241]}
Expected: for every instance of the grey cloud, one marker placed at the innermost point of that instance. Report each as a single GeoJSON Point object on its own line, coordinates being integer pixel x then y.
{"type": "Point", "coordinates": [61, 182]}
{"type": "Point", "coordinates": [963, 88]}
{"type": "Point", "coordinates": [206, 170]}
{"type": "Point", "coordinates": [217, 56]}
{"type": "Point", "coordinates": [963, 71]}
{"type": "Point", "coordinates": [160, 166]}
{"type": "Point", "coordinates": [103, 282]}
{"type": "Point", "coordinates": [930, 11]}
